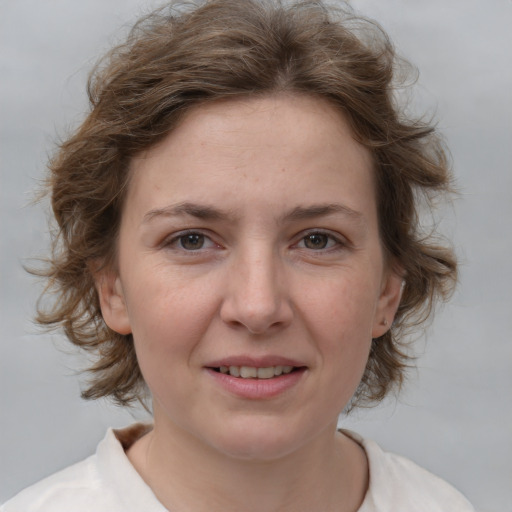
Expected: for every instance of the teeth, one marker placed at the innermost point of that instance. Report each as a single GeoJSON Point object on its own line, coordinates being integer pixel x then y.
{"type": "Point", "coordinates": [265, 373]}
{"type": "Point", "coordinates": [250, 372]}
{"type": "Point", "coordinates": [234, 371]}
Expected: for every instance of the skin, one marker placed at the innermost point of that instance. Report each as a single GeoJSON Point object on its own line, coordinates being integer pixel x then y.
{"type": "Point", "coordinates": [251, 231]}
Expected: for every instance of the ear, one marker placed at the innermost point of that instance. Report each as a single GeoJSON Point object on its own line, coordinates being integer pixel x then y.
{"type": "Point", "coordinates": [389, 300]}
{"type": "Point", "coordinates": [112, 301]}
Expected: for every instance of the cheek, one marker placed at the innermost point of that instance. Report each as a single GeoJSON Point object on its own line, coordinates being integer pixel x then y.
{"type": "Point", "coordinates": [339, 317]}
{"type": "Point", "coordinates": [345, 308]}
{"type": "Point", "coordinates": [168, 318]}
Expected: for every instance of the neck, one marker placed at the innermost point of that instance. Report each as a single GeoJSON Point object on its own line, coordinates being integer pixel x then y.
{"type": "Point", "coordinates": [329, 473]}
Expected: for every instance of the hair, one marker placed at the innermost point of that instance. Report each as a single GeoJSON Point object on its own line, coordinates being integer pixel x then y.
{"type": "Point", "coordinates": [187, 54]}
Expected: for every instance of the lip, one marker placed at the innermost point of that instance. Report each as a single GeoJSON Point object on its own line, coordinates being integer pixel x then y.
{"type": "Point", "coordinates": [256, 389]}
{"type": "Point", "coordinates": [255, 362]}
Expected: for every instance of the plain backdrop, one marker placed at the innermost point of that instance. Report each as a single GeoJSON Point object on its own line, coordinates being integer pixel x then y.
{"type": "Point", "coordinates": [455, 415]}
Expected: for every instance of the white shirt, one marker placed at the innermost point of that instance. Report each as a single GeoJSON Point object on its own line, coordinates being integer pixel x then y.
{"type": "Point", "coordinates": [107, 482]}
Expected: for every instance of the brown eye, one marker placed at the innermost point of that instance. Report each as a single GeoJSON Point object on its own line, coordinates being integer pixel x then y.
{"type": "Point", "coordinates": [316, 241]}
{"type": "Point", "coordinates": [192, 241]}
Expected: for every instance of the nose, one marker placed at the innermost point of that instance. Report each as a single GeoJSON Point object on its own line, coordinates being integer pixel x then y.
{"type": "Point", "coordinates": [256, 295]}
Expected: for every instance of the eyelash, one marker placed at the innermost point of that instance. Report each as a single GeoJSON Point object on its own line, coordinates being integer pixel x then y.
{"type": "Point", "coordinates": [335, 242]}
{"type": "Point", "coordinates": [177, 239]}
{"type": "Point", "coordinates": [332, 242]}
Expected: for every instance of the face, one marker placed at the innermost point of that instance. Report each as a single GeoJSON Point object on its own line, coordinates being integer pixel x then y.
{"type": "Point", "coordinates": [251, 274]}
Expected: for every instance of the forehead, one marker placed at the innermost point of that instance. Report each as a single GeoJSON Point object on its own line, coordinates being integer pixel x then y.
{"type": "Point", "coordinates": [248, 121]}
{"type": "Point", "coordinates": [275, 148]}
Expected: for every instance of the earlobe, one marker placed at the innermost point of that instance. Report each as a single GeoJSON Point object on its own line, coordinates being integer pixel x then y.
{"type": "Point", "coordinates": [388, 303]}
{"type": "Point", "coordinates": [112, 302]}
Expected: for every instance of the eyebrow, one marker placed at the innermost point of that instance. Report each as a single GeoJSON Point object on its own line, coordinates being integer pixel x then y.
{"type": "Point", "coordinates": [321, 210]}
{"type": "Point", "coordinates": [205, 212]}
{"type": "Point", "coordinates": [199, 211]}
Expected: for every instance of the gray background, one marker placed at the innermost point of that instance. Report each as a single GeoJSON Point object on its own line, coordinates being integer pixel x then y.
{"type": "Point", "coordinates": [455, 415]}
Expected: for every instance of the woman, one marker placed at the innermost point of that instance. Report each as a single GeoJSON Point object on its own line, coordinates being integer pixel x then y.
{"type": "Point", "coordinates": [239, 237]}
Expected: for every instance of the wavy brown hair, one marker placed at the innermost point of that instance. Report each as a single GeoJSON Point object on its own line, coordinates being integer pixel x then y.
{"type": "Point", "coordinates": [186, 54]}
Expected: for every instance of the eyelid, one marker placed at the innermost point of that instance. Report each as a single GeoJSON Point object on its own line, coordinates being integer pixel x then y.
{"type": "Point", "coordinates": [340, 241]}
{"type": "Point", "coordinates": [171, 240]}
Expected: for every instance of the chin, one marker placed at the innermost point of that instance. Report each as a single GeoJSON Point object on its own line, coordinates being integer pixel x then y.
{"type": "Point", "coordinates": [258, 440]}
{"type": "Point", "coordinates": [254, 448]}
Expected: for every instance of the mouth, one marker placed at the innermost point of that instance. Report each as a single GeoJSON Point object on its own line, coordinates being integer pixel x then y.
{"type": "Point", "coordinates": [252, 372]}
{"type": "Point", "coordinates": [262, 378]}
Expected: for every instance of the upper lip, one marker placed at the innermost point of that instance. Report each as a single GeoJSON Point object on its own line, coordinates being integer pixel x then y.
{"type": "Point", "coordinates": [254, 362]}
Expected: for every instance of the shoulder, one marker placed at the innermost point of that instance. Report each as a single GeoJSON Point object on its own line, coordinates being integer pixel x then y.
{"type": "Point", "coordinates": [399, 485]}
{"type": "Point", "coordinates": [75, 486]}
{"type": "Point", "coordinates": [104, 482]}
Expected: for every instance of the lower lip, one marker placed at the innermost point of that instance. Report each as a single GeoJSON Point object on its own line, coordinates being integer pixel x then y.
{"type": "Point", "coordinates": [257, 389]}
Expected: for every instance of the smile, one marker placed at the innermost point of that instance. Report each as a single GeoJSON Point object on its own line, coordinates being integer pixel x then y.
{"type": "Point", "coordinates": [251, 372]}
{"type": "Point", "coordinates": [257, 380]}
